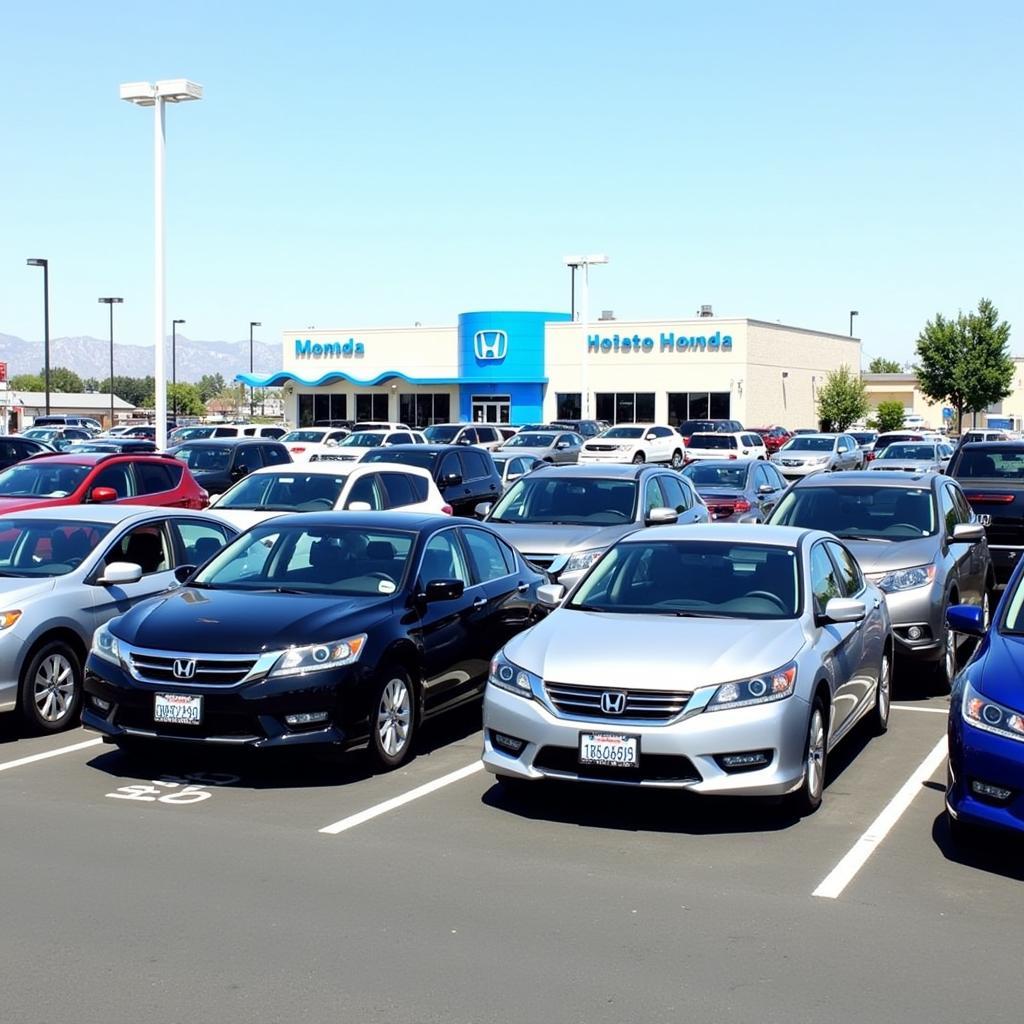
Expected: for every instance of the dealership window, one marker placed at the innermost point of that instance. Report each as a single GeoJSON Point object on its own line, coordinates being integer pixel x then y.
{"type": "Point", "coordinates": [697, 405]}
{"type": "Point", "coordinates": [305, 410]}
{"type": "Point", "coordinates": [372, 407]}
{"type": "Point", "coordinates": [321, 407]}
{"type": "Point", "coordinates": [424, 409]}
{"type": "Point", "coordinates": [625, 406]}
{"type": "Point", "coordinates": [568, 406]}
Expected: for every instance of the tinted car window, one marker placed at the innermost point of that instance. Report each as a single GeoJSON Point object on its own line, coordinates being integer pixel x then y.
{"type": "Point", "coordinates": [397, 488]}
{"type": "Point", "coordinates": [849, 572]}
{"type": "Point", "coordinates": [677, 495]}
{"type": "Point", "coordinates": [146, 546]}
{"type": "Point", "coordinates": [443, 560]}
{"type": "Point", "coordinates": [399, 439]}
{"type": "Point", "coordinates": [475, 465]}
{"type": "Point", "coordinates": [712, 441]}
{"type": "Point", "coordinates": [450, 464]}
{"type": "Point", "coordinates": [542, 498]}
{"type": "Point", "coordinates": [947, 509]}
{"type": "Point", "coordinates": [1003, 463]}
{"type": "Point", "coordinates": [653, 498]}
{"type": "Point", "coordinates": [485, 555]}
{"type": "Point", "coordinates": [824, 578]}
{"type": "Point", "coordinates": [275, 455]}
{"type": "Point", "coordinates": [365, 489]}
{"type": "Point", "coordinates": [118, 477]}
{"type": "Point", "coordinates": [153, 477]}
{"type": "Point", "coordinates": [247, 457]}
{"type": "Point", "coordinates": [30, 547]}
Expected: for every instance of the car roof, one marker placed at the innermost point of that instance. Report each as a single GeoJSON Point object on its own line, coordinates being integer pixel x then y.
{"type": "Point", "coordinates": [610, 471]}
{"type": "Point", "coordinates": [219, 442]}
{"type": "Point", "coordinates": [727, 533]}
{"type": "Point", "coordinates": [817, 433]}
{"type": "Point", "coordinates": [106, 513]}
{"type": "Point", "coordinates": [864, 477]}
{"type": "Point", "coordinates": [92, 458]}
{"type": "Point", "coordinates": [371, 520]}
{"type": "Point", "coordinates": [335, 468]}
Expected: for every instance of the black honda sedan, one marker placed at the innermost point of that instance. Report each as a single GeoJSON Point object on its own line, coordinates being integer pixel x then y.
{"type": "Point", "coordinates": [340, 629]}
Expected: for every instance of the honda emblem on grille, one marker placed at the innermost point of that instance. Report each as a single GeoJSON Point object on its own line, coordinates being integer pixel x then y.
{"type": "Point", "coordinates": [985, 520]}
{"type": "Point", "coordinates": [184, 668]}
{"type": "Point", "coordinates": [490, 346]}
{"type": "Point", "coordinates": [613, 702]}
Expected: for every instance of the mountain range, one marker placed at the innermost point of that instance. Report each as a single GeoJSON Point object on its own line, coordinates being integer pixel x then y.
{"type": "Point", "coordinates": [90, 357]}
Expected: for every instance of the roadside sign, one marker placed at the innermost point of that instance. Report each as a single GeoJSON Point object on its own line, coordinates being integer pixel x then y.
{"type": "Point", "coordinates": [3, 373]}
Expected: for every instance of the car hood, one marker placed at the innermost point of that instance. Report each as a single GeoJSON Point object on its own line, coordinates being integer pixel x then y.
{"type": "Point", "coordinates": [18, 591]}
{"type": "Point", "coordinates": [537, 453]}
{"type": "Point", "coordinates": [549, 539]}
{"type": "Point", "coordinates": [242, 518]}
{"type": "Point", "coordinates": [1002, 670]}
{"type": "Point", "coordinates": [230, 621]}
{"type": "Point", "coordinates": [653, 652]}
{"type": "Point", "coordinates": [903, 465]}
{"type": "Point", "coordinates": [885, 556]}
{"type": "Point", "coordinates": [16, 504]}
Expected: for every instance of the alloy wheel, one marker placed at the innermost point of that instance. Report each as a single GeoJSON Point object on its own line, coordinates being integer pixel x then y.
{"type": "Point", "coordinates": [53, 689]}
{"type": "Point", "coordinates": [986, 610]}
{"type": "Point", "coordinates": [949, 654]}
{"type": "Point", "coordinates": [884, 695]}
{"type": "Point", "coordinates": [815, 766]}
{"type": "Point", "coordinates": [394, 717]}
{"type": "Point", "coordinates": [677, 460]}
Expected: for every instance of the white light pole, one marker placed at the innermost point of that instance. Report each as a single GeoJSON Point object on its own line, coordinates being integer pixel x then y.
{"type": "Point", "coordinates": [146, 94]}
{"type": "Point", "coordinates": [585, 262]}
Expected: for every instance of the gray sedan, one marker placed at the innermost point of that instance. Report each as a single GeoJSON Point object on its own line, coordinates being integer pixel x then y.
{"type": "Point", "coordinates": [727, 661]}
{"type": "Point", "coordinates": [562, 519]}
{"type": "Point", "coordinates": [736, 491]}
{"type": "Point", "coordinates": [912, 457]}
{"type": "Point", "coordinates": [64, 572]}
{"type": "Point", "coordinates": [805, 454]}
{"type": "Point", "coordinates": [552, 446]}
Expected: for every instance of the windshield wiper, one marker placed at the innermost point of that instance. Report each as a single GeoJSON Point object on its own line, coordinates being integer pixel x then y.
{"type": "Point", "coordinates": [860, 536]}
{"type": "Point", "coordinates": [698, 615]}
{"type": "Point", "coordinates": [499, 520]}
{"type": "Point", "coordinates": [289, 590]}
{"type": "Point", "coordinates": [588, 608]}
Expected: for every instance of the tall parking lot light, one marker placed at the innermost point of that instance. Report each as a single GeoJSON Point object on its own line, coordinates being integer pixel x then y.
{"type": "Point", "coordinates": [111, 302]}
{"type": "Point", "coordinates": [252, 389]}
{"type": "Point", "coordinates": [585, 262]}
{"type": "Point", "coordinates": [174, 370]}
{"type": "Point", "coordinates": [45, 264]}
{"type": "Point", "coordinates": [853, 313]}
{"type": "Point", "coordinates": [155, 95]}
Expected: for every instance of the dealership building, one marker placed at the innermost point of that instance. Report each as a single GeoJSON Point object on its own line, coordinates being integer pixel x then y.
{"type": "Point", "coordinates": [524, 367]}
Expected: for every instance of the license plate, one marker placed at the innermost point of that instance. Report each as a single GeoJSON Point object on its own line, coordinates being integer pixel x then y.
{"type": "Point", "coordinates": [610, 749]}
{"type": "Point", "coordinates": [178, 709]}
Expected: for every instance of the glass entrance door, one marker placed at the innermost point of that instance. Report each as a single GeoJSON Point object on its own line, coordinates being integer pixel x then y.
{"type": "Point", "coordinates": [492, 408]}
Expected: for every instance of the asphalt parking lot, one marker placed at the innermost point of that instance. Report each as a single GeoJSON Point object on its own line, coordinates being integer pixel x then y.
{"type": "Point", "coordinates": [192, 887]}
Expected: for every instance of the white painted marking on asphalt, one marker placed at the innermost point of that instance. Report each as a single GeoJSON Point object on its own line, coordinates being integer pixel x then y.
{"type": "Point", "coordinates": [911, 707]}
{"type": "Point", "coordinates": [49, 753]}
{"type": "Point", "coordinates": [399, 801]}
{"type": "Point", "coordinates": [845, 871]}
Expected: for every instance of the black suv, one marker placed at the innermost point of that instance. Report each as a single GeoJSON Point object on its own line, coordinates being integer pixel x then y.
{"type": "Point", "coordinates": [465, 475]}
{"type": "Point", "coordinates": [688, 428]}
{"type": "Point", "coordinates": [217, 464]}
{"type": "Point", "coordinates": [585, 428]}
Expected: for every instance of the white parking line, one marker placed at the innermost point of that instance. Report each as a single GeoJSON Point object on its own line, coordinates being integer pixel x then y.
{"type": "Point", "coordinates": [911, 707]}
{"type": "Point", "coordinates": [399, 801]}
{"type": "Point", "coordinates": [845, 871]}
{"type": "Point", "coordinates": [49, 753]}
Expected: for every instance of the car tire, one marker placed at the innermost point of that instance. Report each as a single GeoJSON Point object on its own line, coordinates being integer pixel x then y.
{"type": "Point", "coordinates": [883, 697]}
{"type": "Point", "coordinates": [639, 458]}
{"type": "Point", "coordinates": [50, 691]}
{"type": "Point", "coordinates": [808, 798]}
{"type": "Point", "coordinates": [677, 459]}
{"type": "Point", "coordinates": [945, 667]}
{"type": "Point", "coordinates": [392, 719]}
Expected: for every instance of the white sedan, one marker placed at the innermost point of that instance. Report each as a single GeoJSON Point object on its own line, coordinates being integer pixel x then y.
{"type": "Point", "coordinates": [359, 442]}
{"type": "Point", "coordinates": [635, 442]}
{"type": "Point", "coordinates": [306, 442]}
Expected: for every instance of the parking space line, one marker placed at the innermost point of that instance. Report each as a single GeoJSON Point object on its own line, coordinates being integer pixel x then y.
{"type": "Point", "coordinates": [49, 753]}
{"type": "Point", "coordinates": [911, 707]}
{"type": "Point", "coordinates": [414, 794]}
{"type": "Point", "coordinates": [846, 870]}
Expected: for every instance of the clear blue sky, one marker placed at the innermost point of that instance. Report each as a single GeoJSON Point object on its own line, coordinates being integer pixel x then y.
{"type": "Point", "coordinates": [363, 164]}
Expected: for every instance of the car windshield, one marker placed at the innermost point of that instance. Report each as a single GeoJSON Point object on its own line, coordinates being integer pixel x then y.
{"type": "Point", "coordinates": [692, 426]}
{"type": "Point", "coordinates": [860, 513]}
{"type": "Point", "coordinates": [42, 480]}
{"type": "Point", "coordinates": [863, 438]}
{"type": "Point", "coordinates": [1013, 620]}
{"type": "Point", "coordinates": [809, 444]}
{"type": "Point", "coordinates": [707, 476]}
{"type": "Point", "coordinates": [712, 579]}
{"type": "Point", "coordinates": [362, 439]}
{"type": "Point", "coordinates": [1005, 462]}
{"type": "Point", "coordinates": [312, 559]}
{"type": "Point", "coordinates": [207, 458]}
{"type": "Point", "coordinates": [712, 441]}
{"type": "Point", "coordinates": [404, 456]}
{"type": "Point", "coordinates": [909, 451]}
{"type": "Point", "coordinates": [41, 547]}
{"type": "Point", "coordinates": [441, 433]}
{"type": "Point", "coordinates": [530, 441]}
{"type": "Point", "coordinates": [578, 501]}
{"type": "Point", "coordinates": [285, 492]}
{"type": "Point", "coordinates": [624, 432]}
{"type": "Point", "coordinates": [41, 434]}
{"type": "Point", "coordinates": [193, 433]}
{"type": "Point", "coordinates": [309, 436]}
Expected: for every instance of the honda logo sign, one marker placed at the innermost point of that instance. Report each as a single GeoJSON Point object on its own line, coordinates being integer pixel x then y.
{"type": "Point", "coordinates": [184, 668]}
{"type": "Point", "coordinates": [490, 346]}
{"type": "Point", "coordinates": [613, 702]}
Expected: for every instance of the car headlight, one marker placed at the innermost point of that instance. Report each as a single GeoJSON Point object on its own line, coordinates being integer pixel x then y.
{"type": "Point", "coordinates": [761, 689]}
{"type": "Point", "coordinates": [506, 675]}
{"type": "Point", "coordinates": [986, 714]}
{"type": "Point", "coordinates": [580, 560]}
{"type": "Point", "coordinates": [8, 619]}
{"type": "Point", "coordinates": [821, 460]}
{"type": "Point", "coordinates": [105, 645]}
{"type": "Point", "coordinates": [907, 579]}
{"type": "Point", "coordinates": [300, 661]}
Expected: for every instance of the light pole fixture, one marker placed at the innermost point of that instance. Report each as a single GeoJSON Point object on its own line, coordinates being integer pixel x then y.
{"type": "Point", "coordinates": [111, 302]}
{"type": "Point", "coordinates": [252, 389]}
{"type": "Point", "coordinates": [853, 313]}
{"type": "Point", "coordinates": [174, 369]}
{"type": "Point", "coordinates": [45, 264]}
{"type": "Point", "coordinates": [156, 95]}
{"type": "Point", "coordinates": [586, 262]}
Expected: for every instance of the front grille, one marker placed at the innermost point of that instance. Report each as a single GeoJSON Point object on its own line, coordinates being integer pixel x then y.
{"type": "Point", "coordinates": [602, 447]}
{"type": "Point", "coordinates": [331, 457]}
{"type": "Point", "coordinates": [790, 462]}
{"type": "Point", "coordinates": [210, 670]}
{"type": "Point", "coordinates": [641, 705]}
{"type": "Point", "coordinates": [653, 767]}
{"type": "Point", "coordinates": [541, 561]}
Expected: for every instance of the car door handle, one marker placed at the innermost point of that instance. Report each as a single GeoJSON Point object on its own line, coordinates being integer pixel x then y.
{"type": "Point", "coordinates": [480, 602]}
{"type": "Point", "coordinates": [523, 587]}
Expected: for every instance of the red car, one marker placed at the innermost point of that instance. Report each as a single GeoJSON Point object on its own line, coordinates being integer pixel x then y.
{"type": "Point", "coordinates": [79, 479]}
{"type": "Point", "coordinates": [774, 437]}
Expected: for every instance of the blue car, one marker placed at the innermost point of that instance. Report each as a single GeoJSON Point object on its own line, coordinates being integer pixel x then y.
{"type": "Point", "coordinates": [986, 720]}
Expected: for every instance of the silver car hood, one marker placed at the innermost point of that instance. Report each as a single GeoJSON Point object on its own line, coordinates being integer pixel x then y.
{"type": "Point", "coordinates": [884, 556]}
{"type": "Point", "coordinates": [903, 465]}
{"type": "Point", "coordinates": [547, 539]}
{"type": "Point", "coordinates": [18, 590]}
{"type": "Point", "coordinates": [537, 453]}
{"type": "Point", "coordinates": [653, 652]}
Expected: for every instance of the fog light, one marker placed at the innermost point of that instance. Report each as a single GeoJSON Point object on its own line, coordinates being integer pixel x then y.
{"type": "Point", "coordinates": [915, 633]}
{"type": "Point", "coordinates": [100, 704]}
{"type": "Point", "coordinates": [509, 744]}
{"type": "Point", "coordinates": [992, 792]}
{"type": "Point", "coordinates": [306, 718]}
{"type": "Point", "coordinates": [746, 761]}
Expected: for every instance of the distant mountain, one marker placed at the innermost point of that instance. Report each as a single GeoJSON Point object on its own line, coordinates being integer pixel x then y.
{"type": "Point", "coordinates": [90, 357]}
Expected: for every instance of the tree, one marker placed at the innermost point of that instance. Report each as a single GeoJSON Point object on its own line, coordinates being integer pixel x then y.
{"type": "Point", "coordinates": [889, 416]}
{"type": "Point", "coordinates": [139, 392]}
{"type": "Point", "coordinates": [882, 365]}
{"type": "Point", "coordinates": [27, 382]}
{"type": "Point", "coordinates": [842, 399]}
{"type": "Point", "coordinates": [966, 362]}
{"type": "Point", "coordinates": [62, 380]}
{"type": "Point", "coordinates": [185, 398]}
{"type": "Point", "coordinates": [211, 385]}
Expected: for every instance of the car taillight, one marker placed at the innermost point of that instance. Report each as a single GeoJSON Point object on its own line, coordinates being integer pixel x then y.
{"type": "Point", "coordinates": [742, 505]}
{"type": "Point", "coordinates": [733, 456]}
{"type": "Point", "coordinates": [296, 449]}
{"type": "Point", "coordinates": [870, 457]}
{"type": "Point", "coordinates": [448, 510]}
{"type": "Point", "coordinates": [686, 442]}
{"type": "Point", "coordinates": [990, 499]}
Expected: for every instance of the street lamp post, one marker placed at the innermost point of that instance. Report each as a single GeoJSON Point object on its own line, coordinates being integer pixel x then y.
{"type": "Point", "coordinates": [585, 262]}
{"type": "Point", "coordinates": [146, 94]}
{"type": "Point", "coordinates": [853, 313]}
{"type": "Point", "coordinates": [111, 302]}
{"type": "Point", "coordinates": [45, 264]}
{"type": "Point", "coordinates": [174, 369]}
{"type": "Point", "coordinates": [252, 389]}
{"type": "Point", "coordinates": [572, 292]}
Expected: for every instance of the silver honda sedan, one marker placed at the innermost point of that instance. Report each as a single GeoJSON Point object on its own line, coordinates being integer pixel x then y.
{"type": "Point", "coordinates": [726, 661]}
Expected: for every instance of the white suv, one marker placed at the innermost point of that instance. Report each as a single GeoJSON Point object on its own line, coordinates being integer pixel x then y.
{"type": "Point", "coordinates": [635, 442]}
{"type": "Point", "coordinates": [719, 445]}
{"type": "Point", "coordinates": [359, 442]}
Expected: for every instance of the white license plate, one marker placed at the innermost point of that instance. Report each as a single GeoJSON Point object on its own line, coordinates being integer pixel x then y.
{"type": "Point", "coordinates": [178, 709]}
{"type": "Point", "coordinates": [611, 749]}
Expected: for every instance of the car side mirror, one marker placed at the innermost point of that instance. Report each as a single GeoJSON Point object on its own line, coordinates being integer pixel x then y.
{"type": "Point", "coordinates": [120, 573]}
{"type": "Point", "coordinates": [513, 476]}
{"type": "Point", "coordinates": [452, 479]}
{"type": "Point", "coordinates": [483, 509]}
{"type": "Point", "coordinates": [444, 590]}
{"type": "Point", "coordinates": [551, 594]}
{"type": "Point", "coordinates": [661, 516]}
{"type": "Point", "coordinates": [968, 533]}
{"type": "Point", "coordinates": [184, 573]}
{"type": "Point", "coordinates": [965, 618]}
{"type": "Point", "coordinates": [765, 489]}
{"type": "Point", "coordinates": [238, 472]}
{"type": "Point", "coordinates": [359, 506]}
{"type": "Point", "coordinates": [844, 609]}
{"type": "Point", "coordinates": [214, 500]}
{"type": "Point", "coordinates": [651, 437]}
{"type": "Point", "coordinates": [562, 445]}
{"type": "Point", "coordinates": [102, 495]}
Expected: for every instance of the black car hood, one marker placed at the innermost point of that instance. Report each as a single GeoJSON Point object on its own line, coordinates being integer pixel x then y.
{"type": "Point", "coordinates": [204, 621]}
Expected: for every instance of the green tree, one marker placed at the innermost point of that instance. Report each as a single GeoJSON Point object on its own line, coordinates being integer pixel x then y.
{"type": "Point", "coordinates": [842, 399]}
{"type": "Point", "coordinates": [62, 380]}
{"type": "Point", "coordinates": [27, 382]}
{"type": "Point", "coordinates": [211, 385]}
{"type": "Point", "coordinates": [966, 362]}
{"type": "Point", "coordinates": [137, 391]}
{"type": "Point", "coordinates": [889, 416]}
{"type": "Point", "coordinates": [186, 399]}
{"type": "Point", "coordinates": [882, 365]}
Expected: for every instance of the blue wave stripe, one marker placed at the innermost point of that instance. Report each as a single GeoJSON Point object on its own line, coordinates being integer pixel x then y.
{"type": "Point", "coordinates": [284, 376]}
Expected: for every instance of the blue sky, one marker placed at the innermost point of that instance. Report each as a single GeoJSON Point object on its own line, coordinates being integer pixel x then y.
{"type": "Point", "coordinates": [358, 164]}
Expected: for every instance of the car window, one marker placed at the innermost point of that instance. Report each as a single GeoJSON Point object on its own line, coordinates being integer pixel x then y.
{"type": "Point", "coordinates": [963, 509]}
{"type": "Point", "coordinates": [275, 455]}
{"type": "Point", "coordinates": [449, 464]}
{"type": "Point", "coordinates": [225, 432]}
{"type": "Point", "coordinates": [475, 465]}
{"type": "Point", "coordinates": [366, 489]}
{"type": "Point", "coordinates": [761, 477]}
{"type": "Point", "coordinates": [774, 477]}
{"type": "Point", "coordinates": [849, 571]}
{"type": "Point", "coordinates": [485, 555]}
{"type": "Point", "coordinates": [947, 509]}
{"type": "Point", "coordinates": [420, 486]}
{"type": "Point", "coordinates": [152, 477]}
{"type": "Point", "coordinates": [146, 546]}
{"type": "Point", "coordinates": [397, 489]}
{"type": "Point", "coordinates": [824, 578]}
{"type": "Point", "coordinates": [248, 458]}
{"type": "Point", "coordinates": [443, 560]}
{"type": "Point", "coordinates": [676, 493]}
{"type": "Point", "coordinates": [653, 496]}
{"type": "Point", "coordinates": [199, 541]}
{"type": "Point", "coordinates": [118, 477]}
{"type": "Point", "coordinates": [399, 439]}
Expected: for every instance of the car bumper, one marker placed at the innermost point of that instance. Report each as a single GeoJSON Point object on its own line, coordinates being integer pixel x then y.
{"type": "Point", "coordinates": [606, 456]}
{"type": "Point", "coordinates": [979, 757]}
{"type": "Point", "coordinates": [798, 472]}
{"type": "Point", "coordinates": [680, 755]}
{"type": "Point", "coordinates": [918, 609]}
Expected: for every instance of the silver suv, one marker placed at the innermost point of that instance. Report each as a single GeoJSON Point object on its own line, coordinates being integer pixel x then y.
{"type": "Point", "coordinates": [805, 454]}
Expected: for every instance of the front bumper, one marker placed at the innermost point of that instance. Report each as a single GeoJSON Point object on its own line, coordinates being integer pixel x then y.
{"type": "Point", "coordinates": [977, 756]}
{"type": "Point", "coordinates": [918, 609]}
{"type": "Point", "coordinates": [616, 457]}
{"type": "Point", "coordinates": [679, 755]}
{"type": "Point", "coordinates": [798, 472]}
